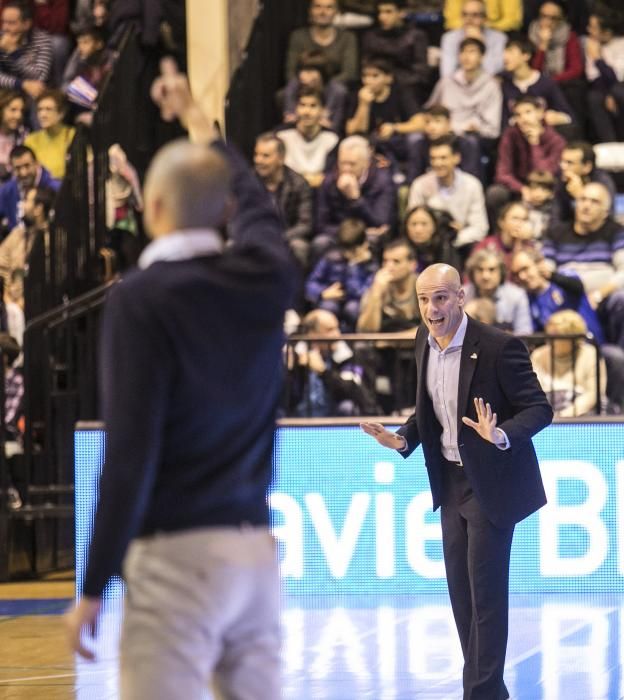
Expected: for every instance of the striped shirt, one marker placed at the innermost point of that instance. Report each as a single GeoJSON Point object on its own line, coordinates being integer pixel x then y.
{"type": "Point", "coordinates": [32, 61]}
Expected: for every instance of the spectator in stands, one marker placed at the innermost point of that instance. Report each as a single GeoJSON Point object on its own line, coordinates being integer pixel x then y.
{"type": "Point", "coordinates": [308, 145]}
{"type": "Point", "coordinates": [538, 196]}
{"type": "Point", "coordinates": [27, 173]}
{"type": "Point", "coordinates": [472, 96]}
{"type": "Point", "coordinates": [448, 188]}
{"type": "Point", "coordinates": [604, 70]}
{"type": "Point", "coordinates": [343, 274]}
{"type": "Point", "coordinates": [13, 413]}
{"type": "Point", "coordinates": [558, 49]}
{"type": "Point", "coordinates": [338, 45]}
{"type": "Point", "coordinates": [403, 45]}
{"type": "Point", "coordinates": [473, 19]}
{"type": "Point", "coordinates": [91, 60]}
{"type": "Point", "coordinates": [482, 309]}
{"type": "Point", "coordinates": [503, 15]}
{"type": "Point", "coordinates": [290, 192]}
{"type": "Point", "coordinates": [486, 272]}
{"type": "Point", "coordinates": [51, 142]}
{"type": "Point", "coordinates": [383, 111]}
{"type": "Point", "coordinates": [437, 123]}
{"type": "Point", "coordinates": [431, 236]}
{"type": "Point", "coordinates": [16, 247]}
{"type": "Point", "coordinates": [528, 145]}
{"type": "Point", "coordinates": [577, 168]}
{"type": "Point", "coordinates": [52, 17]}
{"type": "Point", "coordinates": [391, 304]}
{"type": "Point", "coordinates": [312, 73]}
{"type": "Point", "coordinates": [25, 53]}
{"type": "Point", "coordinates": [592, 246]}
{"type": "Point", "coordinates": [567, 371]}
{"type": "Point", "coordinates": [514, 233]}
{"type": "Point", "coordinates": [338, 381]}
{"type": "Point", "coordinates": [12, 131]}
{"type": "Point", "coordinates": [521, 79]}
{"type": "Point", "coordinates": [550, 291]}
{"type": "Point", "coordinates": [358, 188]}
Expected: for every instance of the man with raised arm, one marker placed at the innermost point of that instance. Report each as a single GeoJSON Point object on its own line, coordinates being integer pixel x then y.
{"type": "Point", "coordinates": [478, 404]}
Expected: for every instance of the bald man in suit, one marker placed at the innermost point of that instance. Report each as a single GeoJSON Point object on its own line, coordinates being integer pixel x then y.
{"type": "Point", "coordinates": [478, 404]}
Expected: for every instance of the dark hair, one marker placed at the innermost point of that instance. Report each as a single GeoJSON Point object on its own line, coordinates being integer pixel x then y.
{"type": "Point", "coordinates": [523, 43]}
{"type": "Point", "coordinates": [537, 102]}
{"type": "Point", "coordinates": [477, 259]}
{"type": "Point", "coordinates": [504, 210]}
{"type": "Point", "coordinates": [449, 140]}
{"type": "Point", "coordinates": [56, 95]}
{"type": "Point", "coordinates": [7, 96]}
{"type": "Point", "coordinates": [401, 243]}
{"type": "Point", "coordinates": [24, 8]}
{"type": "Point", "coordinates": [314, 60]}
{"type": "Point", "coordinates": [472, 41]}
{"type": "Point", "coordinates": [589, 156]}
{"type": "Point", "coordinates": [91, 30]}
{"type": "Point", "coordinates": [378, 62]}
{"type": "Point", "coordinates": [400, 4]}
{"type": "Point", "coordinates": [308, 91]}
{"type": "Point", "coordinates": [45, 197]}
{"type": "Point", "coordinates": [541, 178]}
{"type": "Point", "coordinates": [351, 233]}
{"type": "Point", "coordinates": [438, 111]}
{"type": "Point", "coordinates": [610, 20]}
{"type": "Point", "coordinates": [272, 137]}
{"type": "Point", "coordinates": [9, 347]}
{"type": "Point", "coordinates": [21, 150]}
{"type": "Point", "coordinates": [560, 4]}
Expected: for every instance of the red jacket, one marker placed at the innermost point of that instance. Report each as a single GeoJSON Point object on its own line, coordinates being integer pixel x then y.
{"type": "Point", "coordinates": [574, 67]}
{"type": "Point", "coordinates": [517, 158]}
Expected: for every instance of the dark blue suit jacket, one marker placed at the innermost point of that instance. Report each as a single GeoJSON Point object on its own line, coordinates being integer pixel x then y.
{"type": "Point", "coordinates": [496, 367]}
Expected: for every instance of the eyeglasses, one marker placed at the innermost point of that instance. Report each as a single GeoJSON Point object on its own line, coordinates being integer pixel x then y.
{"type": "Point", "coordinates": [473, 14]}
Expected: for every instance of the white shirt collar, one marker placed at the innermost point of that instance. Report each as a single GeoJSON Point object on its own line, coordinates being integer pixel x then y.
{"type": "Point", "coordinates": [182, 245]}
{"type": "Point", "coordinates": [457, 340]}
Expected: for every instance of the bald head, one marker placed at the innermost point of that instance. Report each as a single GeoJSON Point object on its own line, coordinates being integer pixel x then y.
{"type": "Point", "coordinates": [187, 186]}
{"type": "Point", "coordinates": [439, 274]}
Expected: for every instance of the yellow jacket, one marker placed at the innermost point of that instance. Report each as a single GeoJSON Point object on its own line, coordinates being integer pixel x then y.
{"type": "Point", "coordinates": [504, 15]}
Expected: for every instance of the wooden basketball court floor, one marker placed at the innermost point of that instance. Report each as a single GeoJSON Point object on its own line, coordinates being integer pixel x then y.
{"type": "Point", "coordinates": [561, 647]}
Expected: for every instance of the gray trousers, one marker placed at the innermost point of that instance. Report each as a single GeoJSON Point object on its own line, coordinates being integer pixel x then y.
{"type": "Point", "coordinates": [202, 607]}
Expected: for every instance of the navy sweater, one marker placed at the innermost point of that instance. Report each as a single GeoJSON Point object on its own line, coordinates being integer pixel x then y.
{"type": "Point", "coordinates": [191, 374]}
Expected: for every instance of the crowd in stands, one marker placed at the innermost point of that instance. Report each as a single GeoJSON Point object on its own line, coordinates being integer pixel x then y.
{"type": "Point", "coordinates": [400, 146]}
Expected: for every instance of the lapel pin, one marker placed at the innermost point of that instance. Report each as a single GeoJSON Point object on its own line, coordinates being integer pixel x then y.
{"type": "Point", "coordinates": [473, 356]}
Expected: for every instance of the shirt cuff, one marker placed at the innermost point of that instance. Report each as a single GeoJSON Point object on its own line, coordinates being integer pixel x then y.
{"type": "Point", "coordinates": [406, 447]}
{"type": "Point", "coordinates": [506, 445]}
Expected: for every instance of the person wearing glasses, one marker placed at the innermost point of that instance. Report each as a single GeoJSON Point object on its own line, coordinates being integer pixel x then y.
{"type": "Point", "coordinates": [473, 25]}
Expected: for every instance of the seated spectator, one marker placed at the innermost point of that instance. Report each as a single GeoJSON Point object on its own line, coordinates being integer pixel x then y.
{"type": "Point", "coordinates": [333, 380]}
{"type": "Point", "coordinates": [384, 111]}
{"type": "Point", "coordinates": [431, 236]}
{"type": "Point", "coordinates": [52, 17]}
{"type": "Point", "coordinates": [13, 413]}
{"type": "Point", "coordinates": [578, 168]}
{"type": "Point", "coordinates": [437, 123]}
{"type": "Point", "coordinates": [25, 53]}
{"type": "Point", "coordinates": [51, 142]}
{"type": "Point", "coordinates": [486, 273]}
{"type": "Point", "coordinates": [343, 274]}
{"type": "Point", "coordinates": [514, 233]}
{"type": "Point", "coordinates": [27, 173]}
{"type": "Point", "coordinates": [550, 291]}
{"type": "Point", "coordinates": [473, 19]}
{"type": "Point", "coordinates": [528, 145]}
{"type": "Point", "coordinates": [16, 247]}
{"type": "Point", "coordinates": [520, 79]}
{"type": "Point", "coordinates": [308, 145]}
{"type": "Point", "coordinates": [391, 303]}
{"type": "Point", "coordinates": [538, 196]}
{"type": "Point", "coordinates": [472, 96]}
{"type": "Point", "coordinates": [503, 15]}
{"type": "Point", "coordinates": [91, 60]}
{"type": "Point", "coordinates": [592, 246]}
{"type": "Point", "coordinates": [558, 50]}
{"type": "Point", "coordinates": [312, 74]}
{"type": "Point", "coordinates": [482, 309]}
{"type": "Point", "coordinates": [403, 45]}
{"type": "Point", "coordinates": [604, 70]}
{"type": "Point", "coordinates": [449, 189]}
{"type": "Point", "coordinates": [567, 371]}
{"type": "Point", "coordinates": [358, 188]}
{"type": "Point", "coordinates": [12, 131]}
{"type": "Point", "coordinates": [339, 46]}
{"type": "Point", "coordinates": [290, 192]}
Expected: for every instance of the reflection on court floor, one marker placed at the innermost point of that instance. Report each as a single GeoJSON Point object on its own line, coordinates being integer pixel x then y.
{"type": "Point", "coordinates": [561, 647]}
